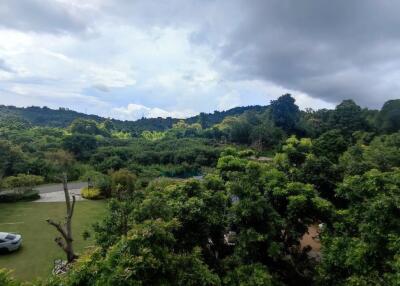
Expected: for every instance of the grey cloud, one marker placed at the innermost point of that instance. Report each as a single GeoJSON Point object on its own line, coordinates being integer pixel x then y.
{"type": "Point", "coordinates": [42, 16]}
{"type": "Point", "coordinates": [144, 13]}
{"type": "Point", "coordinates": [331, 50]}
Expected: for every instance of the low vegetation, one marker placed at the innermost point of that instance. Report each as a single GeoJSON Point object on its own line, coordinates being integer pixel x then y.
{"type": "Point", "coordinates": [91, 193]}
{"type": "Point", "coordinates": [20, 188]}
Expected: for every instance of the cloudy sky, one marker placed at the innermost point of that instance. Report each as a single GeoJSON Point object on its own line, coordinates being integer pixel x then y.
{"type": "Point", "coordinates": [127, 59]}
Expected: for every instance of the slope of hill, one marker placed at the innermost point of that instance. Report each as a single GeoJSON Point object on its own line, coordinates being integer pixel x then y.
{"type": "Point", "coordinates": [62, 117]}
{"type": "Point", "coordinates": [44, 116]}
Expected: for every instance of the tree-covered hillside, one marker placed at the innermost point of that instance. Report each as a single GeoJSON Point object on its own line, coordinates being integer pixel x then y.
{"type": "Point", "coordinates": [227, 198]}
{"type": "Point", "coordinates": [62, 117]}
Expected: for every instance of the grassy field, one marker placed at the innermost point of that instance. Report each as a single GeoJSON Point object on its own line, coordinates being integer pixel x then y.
{"type": "Point", "coordinates": [36, 257]}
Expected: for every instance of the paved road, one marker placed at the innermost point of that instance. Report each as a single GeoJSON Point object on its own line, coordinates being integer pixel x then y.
{"type": "Point", "coordinates": [51, 188]}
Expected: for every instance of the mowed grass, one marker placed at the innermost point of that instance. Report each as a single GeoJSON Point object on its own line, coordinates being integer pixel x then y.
{"type": "Point", "coordinates": [36, 257]}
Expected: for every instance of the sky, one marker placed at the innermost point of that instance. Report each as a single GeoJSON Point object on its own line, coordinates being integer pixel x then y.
{"type": "Point", "coordinates": [129, 59]}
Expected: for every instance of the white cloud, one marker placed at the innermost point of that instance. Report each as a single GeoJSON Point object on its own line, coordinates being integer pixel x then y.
{"type": "Point", "coordinates": [229, 100]}
{"type": "Point", "coordinates": [160, 63]}
{"type": "Point", "coordinates": [127, 59]}
{"type": "Point", "coordinates": [136, 111]}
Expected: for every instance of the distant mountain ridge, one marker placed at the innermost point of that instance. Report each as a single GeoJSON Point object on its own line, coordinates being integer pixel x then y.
{"type": "Point", "coordinates": [63, 117]}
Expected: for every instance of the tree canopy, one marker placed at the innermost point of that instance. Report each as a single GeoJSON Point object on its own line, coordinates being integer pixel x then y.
{"type": "Point", "coordinates": [228, 198]}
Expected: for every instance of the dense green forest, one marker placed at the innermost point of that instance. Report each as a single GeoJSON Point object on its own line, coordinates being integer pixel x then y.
{"type": "Point", "coordinates": [46, 117]}
{"type": "Point", "coordinates": [223, 198]}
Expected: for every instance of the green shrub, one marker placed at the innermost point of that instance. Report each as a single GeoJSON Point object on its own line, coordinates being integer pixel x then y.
{"type": "Point", "coordinates": [11, 196]}
{"type": "Point", "coordinates": [229, 151]}
{"type": "Point", "coordinates": [6, 279]}
{"type": "Point", "coordinates": [99, 181]}
{"type": "Point", "coordinates": [22, 182]}
{"type": "Point", "coordinates": [123, 181]}
{"type": "Point", "coordinates": [246, 153]}
{"type": "Point", "coordinates": [231, 163]}
{"type": "Point", "coordinates": [214, 182]}
{"type": "Point", "coordinates": [91, 193]}
{"type": "Point", "coordinates": [20, 188]}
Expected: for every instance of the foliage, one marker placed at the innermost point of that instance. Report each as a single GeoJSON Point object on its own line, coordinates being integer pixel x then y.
{"type": "Point", "coordinates": [348, 118]}
{"type": "Point", "coordinates": [99, 181]}
{"type": "Point", "coordinates": [272, 213]}
{"type": "Point", "coordinates": [81, 145]}
{"type": "Point", "coordinates": [148, 259]}
{"type": "Point", "coordinates": [304, 161]}
{"type": "Point", "coordinates": [122, 182]}
{"type": "Point", "coordinates": [58, 162]}
{"type": "Point", "coordinates": [91, 193]}
{"type": "Point", "coordinates": [293, 154]}
{"type": "Point", "coordinates": [153, 135]}
{"type": "Point", "coordinates": [330, 144]}
{"type": "Point", "coordinates": [6, 279]}
{"type": "Point", "coordinates": [389, 117]}
{"type": "Point", "coordinates": [12, 197]}
{"type": "Point", "coordinates": [240, 131]}
{"type": "Point", "coordinates": [322, 173]}
{"type": "Point", "coordinates": [20, 188]}
{"type": "Point", "coordinates": [11, 158]}
{"type": "Point", "coordinates": [285, 113]}
{"type": "Point", "coordinates": [363, 243]}
{"type": "Point", "coordinates": [382, 153]}
{"type": "Point", "coordinates": [117, 223]}
{"type": "Point", "coordinates": [85, 126]}
{"type": "Point", "coordinates": [269, 212]}
{"type": "Point", "coordinates": [242, 222]}
{"type": "Point", "coordinates": [46, 117]}
{"type": "Point", "coordinates": [250, 275]}
{"type": "Point", "coordinates": [266, 136]}
{"type": "Point", "coordinates": [22, 182]}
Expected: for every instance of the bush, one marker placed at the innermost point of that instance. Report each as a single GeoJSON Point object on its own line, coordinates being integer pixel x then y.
{"type": "Point", "coordinates": [229, 151]}
{"type": "Point", "coordinates": [91, 193]}
{"type": "Point", "coordinates": [6, 279]}
{"type": "Point", "coordinates": [99, 181]}
{"type": "Point", "coordinates": [20, 188]}
{"type": "Point", "coordinates": [123, 181]}
{"type": "Point", "coordinates": [246, 153]}
{"type": "Point", "coordinates": [11, 196]}
{"type": "Point", "coordinates": [22, 183]}
{"type": "Point", "coordinates": [214, 182]}
{"type": "Point", "coordinates": [231, 163]}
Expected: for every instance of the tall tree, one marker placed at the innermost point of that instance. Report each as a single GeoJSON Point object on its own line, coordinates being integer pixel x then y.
{"type": "Point", "coordinates": [330, 144]}
{"type": "Point", "coordinates": [348, 118]}
{"type": "Point", "coordinates": [81, 145]}
{"type": "Point", "coordinates": [85, 126]}
{"type": "Point", "coordinates": [285, 113]}
{"type": "Point", "coordinates": [389, 117]}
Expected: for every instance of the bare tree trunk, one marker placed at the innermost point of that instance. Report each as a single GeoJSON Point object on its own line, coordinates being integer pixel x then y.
{"type": "Point", "coordinates": [65, 241]}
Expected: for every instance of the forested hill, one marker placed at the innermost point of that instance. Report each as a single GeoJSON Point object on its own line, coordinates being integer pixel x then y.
{"type": "Point", "coordinates": [44, 116]}
{"type": "Point", "coordinates": [249, 217]}
{"type": "Point", "coordinates": [62, 117]}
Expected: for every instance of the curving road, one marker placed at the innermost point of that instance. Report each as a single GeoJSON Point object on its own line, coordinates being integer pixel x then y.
{"type": "Point", "coordinates": [55, 193]}
{"type": "Point", "coordinates": [52, 188]}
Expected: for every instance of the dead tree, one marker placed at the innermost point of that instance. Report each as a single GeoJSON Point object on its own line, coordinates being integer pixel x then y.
{"type": "Point", "coordinates": [65, 240]}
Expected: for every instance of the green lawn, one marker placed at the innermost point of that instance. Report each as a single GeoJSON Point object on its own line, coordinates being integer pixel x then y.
{"type": "Point", "coordinates": [36, 257]}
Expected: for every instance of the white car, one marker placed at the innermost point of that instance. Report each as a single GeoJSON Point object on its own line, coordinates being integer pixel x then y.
{"type": "Point", "coordinates": [10, 241]}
